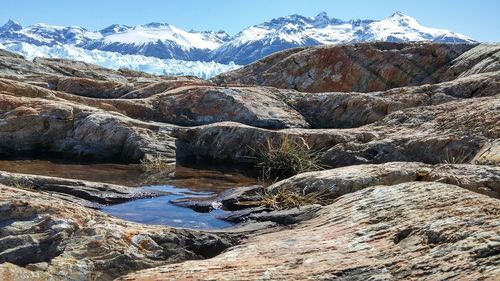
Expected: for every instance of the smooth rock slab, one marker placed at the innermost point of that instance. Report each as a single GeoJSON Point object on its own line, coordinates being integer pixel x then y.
{"type": "Point", "coordinates": [413, 230]}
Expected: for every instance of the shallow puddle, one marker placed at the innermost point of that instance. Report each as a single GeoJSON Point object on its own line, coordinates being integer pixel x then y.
{"type": "Point", "coordinates": [160, 211]}
{"type": "Point", "coordinates": [202, 178]}
{"type": "Point", "coordinates": [179, 182]}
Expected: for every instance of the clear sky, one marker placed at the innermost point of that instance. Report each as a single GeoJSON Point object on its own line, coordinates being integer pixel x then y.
{"type": "Point", "coordinates": [479, 19]}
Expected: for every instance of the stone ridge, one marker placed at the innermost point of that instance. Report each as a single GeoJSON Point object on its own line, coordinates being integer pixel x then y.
{"type": "Point", "coordinates": [366, 67]}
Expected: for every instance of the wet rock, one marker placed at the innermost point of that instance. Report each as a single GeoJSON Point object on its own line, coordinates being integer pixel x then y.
{"type": "Point", "coordinates": [203, 205]}
{"type": "Point", "coordinates": [78, 243]}
{"type": "Point", "coordinates": [285, 217]}
{"type": "Point", "coordinates": [231, 199]}
{"type": "Point", "coordinates": [243, 215]}
{"type": "Point", "coordinates": [73, 190]}
{"type": "Point", "coordinates": [386, 232]}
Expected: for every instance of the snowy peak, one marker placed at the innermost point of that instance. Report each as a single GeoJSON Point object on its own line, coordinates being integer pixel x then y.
{"type": "Point", "coordinates": [163, 33]}
{"type": "Point", "coordinates": [11, 25]}
{"type": "Point", "coordinates": [165, 41]}
{"type": "Point", "coordinates": [113, 29]}
{"type": "Point", "coordinates": [400, 27]}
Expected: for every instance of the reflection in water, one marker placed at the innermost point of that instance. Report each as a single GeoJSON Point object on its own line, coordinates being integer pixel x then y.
{"type": "Point", "coordinates": [196, 178]}
{"type": "Point", "coordinates": [179, 182]}
{"type": "Point", "coordinates": [109, 173]}
{"type": "Point", "coordinates": [160, 211]}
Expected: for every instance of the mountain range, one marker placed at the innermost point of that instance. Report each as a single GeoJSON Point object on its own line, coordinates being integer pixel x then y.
{"type": "Point", "coordinates": [165, 41]}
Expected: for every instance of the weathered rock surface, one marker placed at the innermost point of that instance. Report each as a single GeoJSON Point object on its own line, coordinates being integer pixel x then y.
{"type": "Point", "coordinates": [383, 232]}
{"type": "Point", "coordinates": [341, 181]}
{"type": "Point", "coordinates": [432, 134]}
{"type": "Point", "coordinates": [90, 194]}
{"type": "Point", "coordinates": [366, 67]}
{"type": "Point", "coordinates": [259, 107]}
{"type": "Point", "coordinates": [69, 242]}
{"type": "Point", "coordinates": [353, 67]}
{"type": "Point", "coordinates": [420, 104]}
{"type": "Point", "coordinates": [34, 125]}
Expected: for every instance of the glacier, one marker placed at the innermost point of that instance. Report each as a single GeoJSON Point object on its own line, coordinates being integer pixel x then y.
{"type": "Point", "coordinates": [152, 65]}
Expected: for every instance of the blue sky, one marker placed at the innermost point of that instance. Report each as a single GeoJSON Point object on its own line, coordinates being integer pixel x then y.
{"type": "Point", "coordinates": [479, 19]}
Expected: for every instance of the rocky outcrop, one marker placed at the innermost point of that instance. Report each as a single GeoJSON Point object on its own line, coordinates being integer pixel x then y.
{"type": "Point", "coordinates": [259, 107]}
{"type": "Point", "coordinates": [67, 241]}
{"type": "Point", "coordinates": [433, 134]}
{"type": "Point", "coordinates": [363, 67]}
{"type": "Point", "coordinates": [341, 181]}
{"type": "Point", "coordinates": [383, 232]}
{"type": "Point", "coordinates": [86, 193]}
{"type": "Point", "coordinates": [366, 67]}
{"type": "Point", "coordinates": [73, 130]}
{"type": "Point", "coordinates": [93, 88]}
{"type": "Point", "coordinates": [395, 123]}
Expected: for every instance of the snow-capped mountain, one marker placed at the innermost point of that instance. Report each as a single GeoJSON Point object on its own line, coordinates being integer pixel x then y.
{"type": "Point", "coordinates": [165, 41]}
{"type": "Point", "coordinates": [294, 31]}
{"type": "Point", "coordinates": [47, 35]}
{"type": "Point", "coordinates": [158, 40]}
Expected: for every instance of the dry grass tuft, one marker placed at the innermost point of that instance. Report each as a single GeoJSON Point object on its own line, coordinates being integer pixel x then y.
{"type": "Point", "coordinates": [157, 164]}
{"type": "Point", "coordinates": [287, 197]}
{"type": "Point", "coordinates": [287, 158]}
{"type": "Point", "coordinates": [462, 157]}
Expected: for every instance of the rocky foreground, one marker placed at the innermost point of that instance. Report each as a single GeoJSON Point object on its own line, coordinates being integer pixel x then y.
{"type": "Point", "coordinates": [409, 133]}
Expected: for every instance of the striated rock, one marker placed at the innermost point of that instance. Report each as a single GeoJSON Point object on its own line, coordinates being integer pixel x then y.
{"type": "Point", "coordinates": [489, 154]}
{"type": "Point", "coordinates": [341, 181]}
{"type": "Point", "coordinates": [73, 130]}
{"type": "Point", "coordinates": [348, 110]}
{"type": "Point", "coordinates": [11, 272]}
{"type": "Point", "coordinates": [480, 59]}
{"type": "Point", "coordinates": [383, 232]}
{"type": "Point", "coordinates": [167, 84]}
{"type": "Point", "coordinates": [433, 134]}
{"type": "Point", "coordinates": [91, 194]}
{"type": "Point", "coordinates": [361, 67]}
{"type": "Point", "coordinates": [68, 241]}
{"type": "Point", "coordinates": [93, 88]}
{"type": "Point", "coordinates": [80, 69]}
{"type": "Point", "coordinates": [258, 107]}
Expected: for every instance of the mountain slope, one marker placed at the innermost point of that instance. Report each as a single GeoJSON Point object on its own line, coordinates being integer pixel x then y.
{"type": "Point", "coordinates": [260, 40]}
{"type": "Point", "coordinates": [166, 41]}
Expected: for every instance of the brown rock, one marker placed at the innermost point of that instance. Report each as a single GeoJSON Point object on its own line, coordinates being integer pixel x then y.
{"type": "Point", "coordinates": [78, 131]}
{"type": "Point", "coordinates": [383, 232]}
{"type": "Point", "coordinates": [259, 107]}
{"type": "Point", "coordinates": [361, 67]}
{"type": "Point", "coordinates": [67, 241]}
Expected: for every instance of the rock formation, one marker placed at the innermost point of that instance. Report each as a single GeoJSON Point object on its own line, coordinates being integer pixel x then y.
{"type": "Point", "coordinates": [409, 134]}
